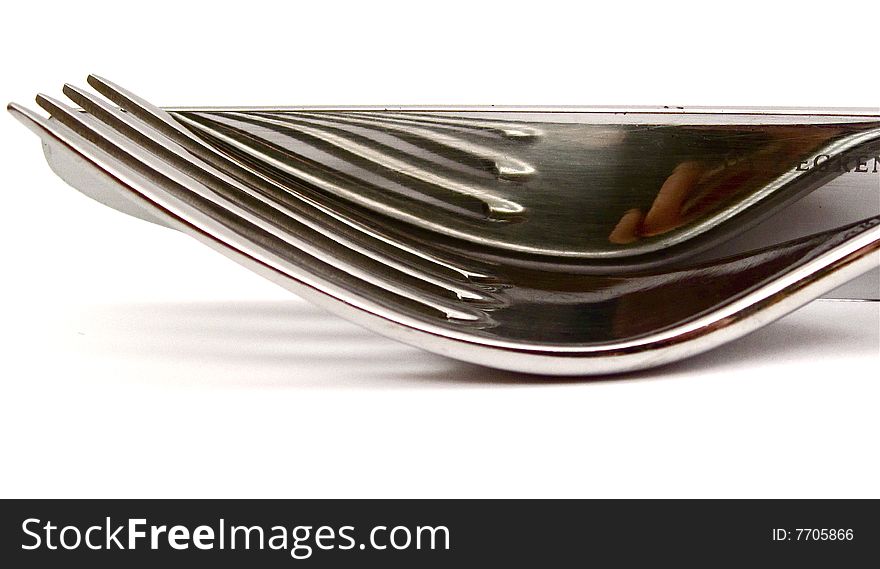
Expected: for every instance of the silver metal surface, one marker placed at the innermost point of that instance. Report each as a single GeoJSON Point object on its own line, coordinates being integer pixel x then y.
{"type": "Point", "coordinates": [554, 241]}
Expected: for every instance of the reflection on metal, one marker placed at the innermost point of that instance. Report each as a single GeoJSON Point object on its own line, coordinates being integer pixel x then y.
{"type": "Point", "coordinates": [502, 164]}
{"type": "Point", "coordinates": [611, 193]}
{"type": "Point", "coordinates": [365, 158]}
{"type": "Point", "coordinates": [541, 240]}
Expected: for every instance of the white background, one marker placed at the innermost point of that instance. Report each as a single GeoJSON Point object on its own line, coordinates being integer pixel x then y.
{"type": "Point", "coordinates": [138, 363]}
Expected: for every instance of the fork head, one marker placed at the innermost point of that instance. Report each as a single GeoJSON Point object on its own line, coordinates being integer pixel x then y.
{"type": "Point", "coordinates": [520, 240]}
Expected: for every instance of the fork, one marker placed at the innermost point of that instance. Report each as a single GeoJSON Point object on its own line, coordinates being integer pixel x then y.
{"type": "Point", "coordinates": [436, 228]}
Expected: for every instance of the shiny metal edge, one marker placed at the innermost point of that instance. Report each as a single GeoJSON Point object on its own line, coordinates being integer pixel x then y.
{"type": "Point", "coordinates": [870, 112]}
{"type": "Point", "coordinates": [73, 169]}
{"type": "Point", "coordinates": [740, 317]}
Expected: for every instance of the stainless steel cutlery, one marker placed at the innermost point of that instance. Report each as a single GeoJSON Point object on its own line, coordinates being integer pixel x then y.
{"type": "Point", "coordinates": [554, 241]}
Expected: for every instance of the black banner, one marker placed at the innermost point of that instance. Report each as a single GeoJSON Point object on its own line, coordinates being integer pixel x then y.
{"type": "Point", "coordinates": [428, 533]}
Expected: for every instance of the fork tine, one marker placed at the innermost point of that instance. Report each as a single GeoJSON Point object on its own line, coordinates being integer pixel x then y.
{"type": "Point", "coordinates": [26, 117]}
{"type": "Point", "coordinates": [257, 202]}
{"type": "Point", "coordinates": [502, 165]}
{"type": "Point", "coordinates": [569, 331]}
{"type": "Point", "coordinates": [361, 187]}
{"type": "Point", "coordinates": [168, 125]}
{"type": "Point", "coordinates": [184, 214]}
{"type": "Point", "coordinates": [164, 122]}
{"type": "Point", "coordinates": [479, 199]}
{"type": "Point", "coordinates": [304, 247]}
{"type": "Point", "coordinates": [140, 108]}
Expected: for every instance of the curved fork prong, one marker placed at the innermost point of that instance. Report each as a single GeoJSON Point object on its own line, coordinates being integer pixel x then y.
{"type": "Point", "coordinates": [289, 196]}
{"type": "Point", "coordinates": [237, 211]}
{"type": "Point", "coordinates": [268, 207]}
{"type": "Point", "coordinates": [654, 318]}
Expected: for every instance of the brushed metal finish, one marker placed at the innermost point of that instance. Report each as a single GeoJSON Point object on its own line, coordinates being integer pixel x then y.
{"type": "Point", "coordinates": [548, 241]}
